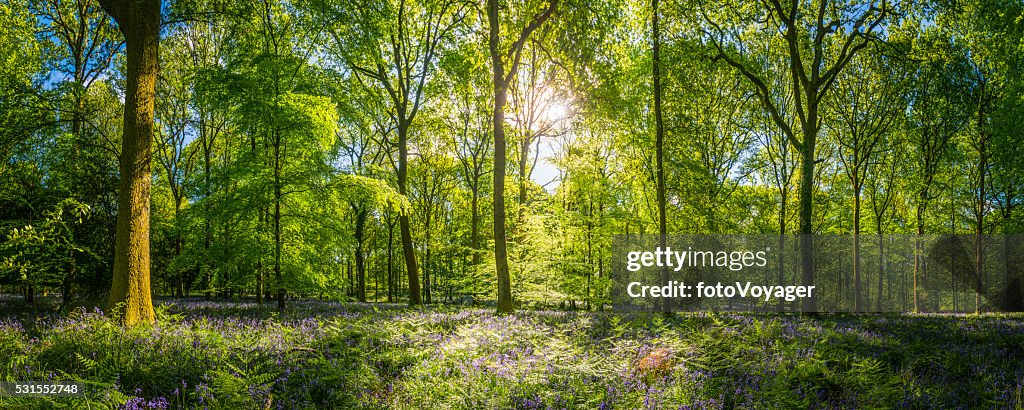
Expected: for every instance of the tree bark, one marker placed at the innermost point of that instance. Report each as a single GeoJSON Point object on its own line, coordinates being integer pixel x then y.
{"type": "Point", "coordinates": [474, 226]}
{"type": "Point", "coordinates": [139, 21]}
{"type": "Point", "coordinates": [501, 80]}
{"type": "Point", "coordinates": [403, 219]}
{"type": "Point", "coordinates": [857, 289]}
{"type": "Point", "coordinates": [278, 239]}
{"type": "Point", "coordinates": [659, 140]}
{"type": "Point", "coordinates": [810, 130]}
{"type": "Point", "coordinates": [360, 257]}
{"type": "Point", "coordinates": [392, 287]}
{"type": "Point", "coordinates": [979, 225]}
{"type": "Point", "coordinates": [500, 246]}
{"type": "Point", "coordinates": [427, 267]}
{"type": "Point", "coordinates": [919, 256]}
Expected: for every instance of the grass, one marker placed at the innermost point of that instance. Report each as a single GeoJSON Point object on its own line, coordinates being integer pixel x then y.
{"type": "Point", "coordinates": [328, 355]}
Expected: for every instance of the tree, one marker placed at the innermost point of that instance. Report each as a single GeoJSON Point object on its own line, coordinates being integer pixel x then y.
{"type": "Point", "coordinates": [939, 112]}
{"type": "Point", "coordinates": [776, 160]}
{"type": "Point", "coordinates": [291, 134]}
{"type": "Point", "coordinates": [41, 252]}
{"type": "Point", "coordinates": [988, 30]}
{"type": "Point", "coordinates": [139, 21]}
{"type": "Point", "coordinates": [867, 106]}
{"type": "Point", "coordinates": [175, 119]}
{"type": "Point", "coordinates": [90, 43]}
{"type": "Point", "coordinates": [395, 47]}
{"type": "Point", "coordinates": [363, 149]}
{"type": "Point", "coordinates": [883, 194]}
{"type": "Point", "coordinates": [81, 42]}
{"type": "Point", "coordinates": [22, 60]}
{"type": "Point", "coordinates": [504, 68]}
{"type": "Point", "coordinates": [659, 135]}
{"type": "Point", "coordinates": [821, 39]}
{"type": "Point", "coordinates": [198, 46]}
{"type": "Point", "coordinates": [466, 116]}
{"type": "Point", "coordinates": [432, 181]}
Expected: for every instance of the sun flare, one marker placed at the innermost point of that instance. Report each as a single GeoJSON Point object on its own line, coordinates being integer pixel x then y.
{"type": "Point", "coordinates": [555, 111]}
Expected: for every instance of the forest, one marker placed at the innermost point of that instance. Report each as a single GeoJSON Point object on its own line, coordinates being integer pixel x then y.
{"type": "Point", "coordinates": [396, 171]}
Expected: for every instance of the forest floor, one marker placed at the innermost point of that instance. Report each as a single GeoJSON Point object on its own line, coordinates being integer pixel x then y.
{"type": "Point", "coordinates": [328, 355]}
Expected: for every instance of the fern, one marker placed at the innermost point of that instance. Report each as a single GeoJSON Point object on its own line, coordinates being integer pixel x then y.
{"type": "Point", "coordinates": [235, 383]}
{"type": "Point", "coordinates": [104, 372]}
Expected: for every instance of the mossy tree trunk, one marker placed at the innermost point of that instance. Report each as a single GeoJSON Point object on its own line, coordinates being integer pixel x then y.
{"type": "Point", "coordinates": [139, 21]}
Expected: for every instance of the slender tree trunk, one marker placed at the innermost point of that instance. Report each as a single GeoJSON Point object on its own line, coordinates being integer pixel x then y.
{"type": "Point", "coordinates": [259, 283]}
{"type": "Point", "coordinates": [979, 247]}
{"type": "Point", "coordinates": [782, 247]}
{"type": "Point", "coordinates": [498, 125]}
{"type": "Point", "coordinates": [403, 219]}
{"type": "Point", "coordinates": [810, 130]}
{"type": "Point", "coordinates": [392, 289]}
{"type": "Point", "coordinates": [76, 131]}
{"type": "Point", "coordinates": [881, 265]}
{"type": "Point", "coordinates": [858, 304]}
{"type": "Point", "coordinates": [207, 231]}
{"type": "Point", "coordinates": [360, 257]}
{"type": "Point", "coordinates": [918, 257]}
{"type": "Point", "coordinates": [427, 266]}
{"type": "Point", "coordinates": [500, 83]}
{"type": "Point", "coordinates": [524, 158]}
{"type": "Point", "coordinates": [278, 237]}
{"type": "Point", "coordinates": [659, 140]}
{"type": "Point", "coordinates": [500, 246]}
{"type": "Point", "coordinates": [69, 280]}
{"type": "Point", "coordinates": [474, 226]}
{"type": "Point", "coordinates": [139, 21]}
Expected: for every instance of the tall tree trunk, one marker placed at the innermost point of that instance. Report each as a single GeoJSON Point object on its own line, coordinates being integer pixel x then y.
{"type": "Point", "coordinates": [500, 83]}
{"type": "Point", "coordinates": [259, 283]}
{"type": "Point", "coordinates": [278, 244]}
{"type": "Point", "coordinates": [403, 219]}
{"type": "Point", "coordinates": [392, 289]}
{"type": "Point", "coordinates": [427, 266]}
{"type": "Point", "coordinates": [918, 254]}
{"type": "Point", "coordinates": [76, 131]}
{"type": "Point", "coordinates": [500, 246]}
{"type": "Point", "coordinates": [474, 226]}
{"type": "Point", "coordinates": [69, 280]}
{"type": "Point", "coordinates": [360, 257]}
{"type": "Point", "coordinates": [881, 265]}
{"type": "Point", "coordinates": [207, 191]}
{"type": "Point", "coordinates": [857, 289]}
{"type": "Point", "coordinates": [782, 244]}
{"type": "Point", "coordinates": [659, 140]}
{"type": "Point", "coordinates": [498, 125]}
{"type": "Point", "coordinates": [139, 21]}
{"type": "Point", "coordinates": [179, 277]}
{"type": "Point", "coordinates": [810, 131]}
{"type": "Point", "coordinates": [979, 247]}
{"type": "Point", "coordinates": [524, 159]}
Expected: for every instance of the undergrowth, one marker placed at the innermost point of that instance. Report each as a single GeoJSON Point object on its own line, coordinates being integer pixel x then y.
{"type": "Point", "coordinates": [323, 355]}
